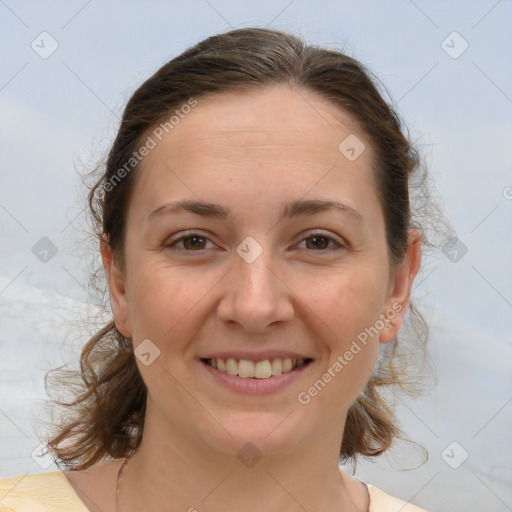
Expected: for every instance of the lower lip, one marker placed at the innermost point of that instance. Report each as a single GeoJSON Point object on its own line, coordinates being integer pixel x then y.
{"type": "Point", "coordinates": [252, 385]}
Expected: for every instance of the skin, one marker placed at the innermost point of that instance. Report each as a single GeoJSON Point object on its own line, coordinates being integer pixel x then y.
{"type": "Point", "coordinates": [250, 151]}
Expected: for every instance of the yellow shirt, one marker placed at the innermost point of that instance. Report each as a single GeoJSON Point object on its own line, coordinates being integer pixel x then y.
{"type": "Point", "coordinates": [51, 492]}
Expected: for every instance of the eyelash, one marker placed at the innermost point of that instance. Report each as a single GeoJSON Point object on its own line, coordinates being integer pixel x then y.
{"type": "Point", "coordinates": [192, 234]}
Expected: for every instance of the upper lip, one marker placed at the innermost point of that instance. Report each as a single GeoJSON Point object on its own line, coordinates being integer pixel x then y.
{"type": "Point", "coordinates": [255, 356]}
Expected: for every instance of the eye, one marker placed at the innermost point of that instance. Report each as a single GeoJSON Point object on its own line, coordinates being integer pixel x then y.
{"type": "Point", "coordinates": [320, 242]}
{"type": "Point", "coordinates": [192, 242]}
{"type": "Point", "coordinates": [196, 242]}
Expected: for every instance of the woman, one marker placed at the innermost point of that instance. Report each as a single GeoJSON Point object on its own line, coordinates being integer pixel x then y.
{"type": "Point", "coordinates": [255, 229]}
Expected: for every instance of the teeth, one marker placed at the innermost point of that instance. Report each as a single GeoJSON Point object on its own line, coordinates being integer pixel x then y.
{"type": "Point", "coordinates": [232, 367]}
{"type": "Point", "coordinates": [259, 370]}
{"type": "Point", "coordinates": [262, 369]}
{"type": "Point", "coordinates": [245, 368]}
{"type": "Point", "coordinates": [287, 365]}
{"type": "Point", "coordinates": [277, 367]}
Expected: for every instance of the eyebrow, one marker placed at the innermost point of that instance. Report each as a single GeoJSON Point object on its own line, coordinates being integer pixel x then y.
{"type": "Point", "coordinates": [292, 209]}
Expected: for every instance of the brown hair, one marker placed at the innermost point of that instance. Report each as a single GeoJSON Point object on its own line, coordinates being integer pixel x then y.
{"type": "Point", "coordinates": [106, 419]}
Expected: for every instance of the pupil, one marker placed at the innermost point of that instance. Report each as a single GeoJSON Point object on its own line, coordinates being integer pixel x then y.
{"type": "Point", "coordinates": [195, 241]}
{"type": "Point", "coordinates": [317, 238]}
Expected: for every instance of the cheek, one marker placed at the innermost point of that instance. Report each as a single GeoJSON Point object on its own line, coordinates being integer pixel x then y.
{"type": "Point", "coordinates": [348, 305]}
{"type": "Point", "coordinates": [162, 296]}
{"type": "Point", "coordinates": [347, 301]}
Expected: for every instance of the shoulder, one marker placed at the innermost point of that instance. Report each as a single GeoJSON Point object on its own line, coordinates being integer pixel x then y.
{"type": "Point", "coordinates": [382, 502]}
{"type": "Point", "coordinates": [41, 492]}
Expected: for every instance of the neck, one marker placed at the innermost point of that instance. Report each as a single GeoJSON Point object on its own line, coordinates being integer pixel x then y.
{"type": "Point", "coordinates": [175, 475]}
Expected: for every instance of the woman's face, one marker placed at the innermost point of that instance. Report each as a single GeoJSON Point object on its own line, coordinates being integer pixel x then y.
{"type": "Point", "coordinates": [256, 268]}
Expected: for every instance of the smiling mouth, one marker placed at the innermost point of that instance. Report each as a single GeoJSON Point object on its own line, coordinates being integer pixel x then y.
{"type": "Point", "coordinates": [265, 369]}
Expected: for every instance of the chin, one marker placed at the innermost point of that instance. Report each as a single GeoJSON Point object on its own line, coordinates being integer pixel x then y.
{"type": "Point", "coordinates": [264, 432]}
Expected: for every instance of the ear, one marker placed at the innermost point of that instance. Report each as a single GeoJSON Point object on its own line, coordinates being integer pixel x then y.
{"type": "Point", "coordinates": [116, 283]}
{"type": "Point", "coordinates": [400, 288]}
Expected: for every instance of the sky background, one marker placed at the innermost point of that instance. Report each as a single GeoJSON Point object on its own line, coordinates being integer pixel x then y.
{"type": "Point", "coordinates": [446, 66]}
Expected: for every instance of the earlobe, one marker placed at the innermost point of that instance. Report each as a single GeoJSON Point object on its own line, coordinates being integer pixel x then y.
{"type": "Point", "coordinates": [117, 289]}
{"type": "Point", "coordinates": [398, 300]}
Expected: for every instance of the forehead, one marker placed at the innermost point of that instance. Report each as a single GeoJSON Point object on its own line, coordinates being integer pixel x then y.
{"type": "Point", "coordinates": [263, 143]}
{"type": "Point", "coordinates": [277, 118]}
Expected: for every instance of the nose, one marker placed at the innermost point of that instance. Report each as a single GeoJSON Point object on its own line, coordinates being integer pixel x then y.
{"type": "Point", "coordinates": [255, 296]}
